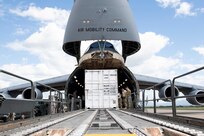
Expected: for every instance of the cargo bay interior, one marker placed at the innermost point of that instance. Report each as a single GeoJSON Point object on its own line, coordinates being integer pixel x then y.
{"type": "Point", "coordinates": [75, 89]}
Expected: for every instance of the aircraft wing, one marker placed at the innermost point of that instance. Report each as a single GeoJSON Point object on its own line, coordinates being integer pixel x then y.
{"type": "Point", "coordinates": [56, 82]}
{"type": "Point", "coordinates": [143, 81]}
{"type": "Point", "coordinates": [164, 89]}
{"type": "Point", "coordinates": [147, 81]}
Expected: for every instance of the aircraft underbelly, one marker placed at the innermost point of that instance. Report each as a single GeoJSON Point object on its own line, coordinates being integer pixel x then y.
{"type": "Point", "coordinates": [101, 61]}
{"type": "Point", "coordinates": [101, 64]}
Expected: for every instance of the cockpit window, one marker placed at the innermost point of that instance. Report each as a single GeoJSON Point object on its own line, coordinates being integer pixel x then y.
{"type": "Point", "coordinates": [101, 46]}
{"type": "Point", "coordinates": [94, 45]}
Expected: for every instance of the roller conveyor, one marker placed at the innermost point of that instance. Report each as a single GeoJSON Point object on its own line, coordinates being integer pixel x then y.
{"type": "Point", "coordinates": [103, 122]}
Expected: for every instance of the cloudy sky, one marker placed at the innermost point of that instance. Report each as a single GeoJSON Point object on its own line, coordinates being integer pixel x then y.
{"type": "Point", "coordinates": [31, 37]}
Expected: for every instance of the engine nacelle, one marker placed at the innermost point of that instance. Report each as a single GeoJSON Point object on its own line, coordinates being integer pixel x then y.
{"type": "Point", "coordinates": [196, 100]}
{"type": "Point", "coordinates": [165, 92]}
{"type": "Point", "coordinates": [5, 95]}
{"type": "Point", "coordinates": [27, 93]}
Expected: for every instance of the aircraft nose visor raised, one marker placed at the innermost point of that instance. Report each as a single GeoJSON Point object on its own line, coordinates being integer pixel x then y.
{"type": "Point", "coordinates": [101, 55]}
{"type": "Point", "coordinates": [101, 20]}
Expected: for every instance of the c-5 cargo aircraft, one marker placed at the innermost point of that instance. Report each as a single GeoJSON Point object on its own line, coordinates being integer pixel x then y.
{"type": "Point", "coordinates": [102, 21]}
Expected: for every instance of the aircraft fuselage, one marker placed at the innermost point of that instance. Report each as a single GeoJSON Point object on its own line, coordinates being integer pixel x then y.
{"type": "Point", "coordinates": [101, 55]}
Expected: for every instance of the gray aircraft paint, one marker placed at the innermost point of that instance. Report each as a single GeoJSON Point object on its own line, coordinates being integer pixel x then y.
{"type": "Point", "coordinates": [101, 20]}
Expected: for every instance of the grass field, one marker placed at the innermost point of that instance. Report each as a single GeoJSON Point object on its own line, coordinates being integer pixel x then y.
{"type": "Point", "coordinates": [191, 108]}
{"type": "Point", "coordinates": [180, 108]}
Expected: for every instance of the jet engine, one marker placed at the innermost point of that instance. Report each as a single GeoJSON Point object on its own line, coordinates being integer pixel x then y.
{"type": "Point", "coordinates": [165, 92]}
{"type": "Point", "coordinates": [27, 93]}
{"type": "Point", "coordinates": [196, 100]}
{"type": "Point", "coordinates": [4, 95]}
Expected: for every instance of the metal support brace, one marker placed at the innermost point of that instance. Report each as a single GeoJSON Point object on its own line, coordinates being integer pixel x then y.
{"type": "Point", "coordinates": [155, 110]}
{"type": "Point", "coordinates": [72, 104]}
{"type": "Point", "coordinates": [143, 100]}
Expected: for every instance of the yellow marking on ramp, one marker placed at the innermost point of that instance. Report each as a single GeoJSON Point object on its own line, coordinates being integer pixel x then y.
{"type": "Point", "coordinates": [110, 135]}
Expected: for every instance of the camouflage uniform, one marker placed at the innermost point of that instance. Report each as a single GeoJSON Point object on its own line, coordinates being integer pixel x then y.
{"type": "Point", "coordinates": [129, 98]}
{"type": "Point", "coordinates": [119, 100]}
{"type": "Point", "coordinates": [124, 98]}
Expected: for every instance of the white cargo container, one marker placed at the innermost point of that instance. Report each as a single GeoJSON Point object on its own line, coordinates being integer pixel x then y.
{"type": "Point", "coordinates": [101, 88]}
